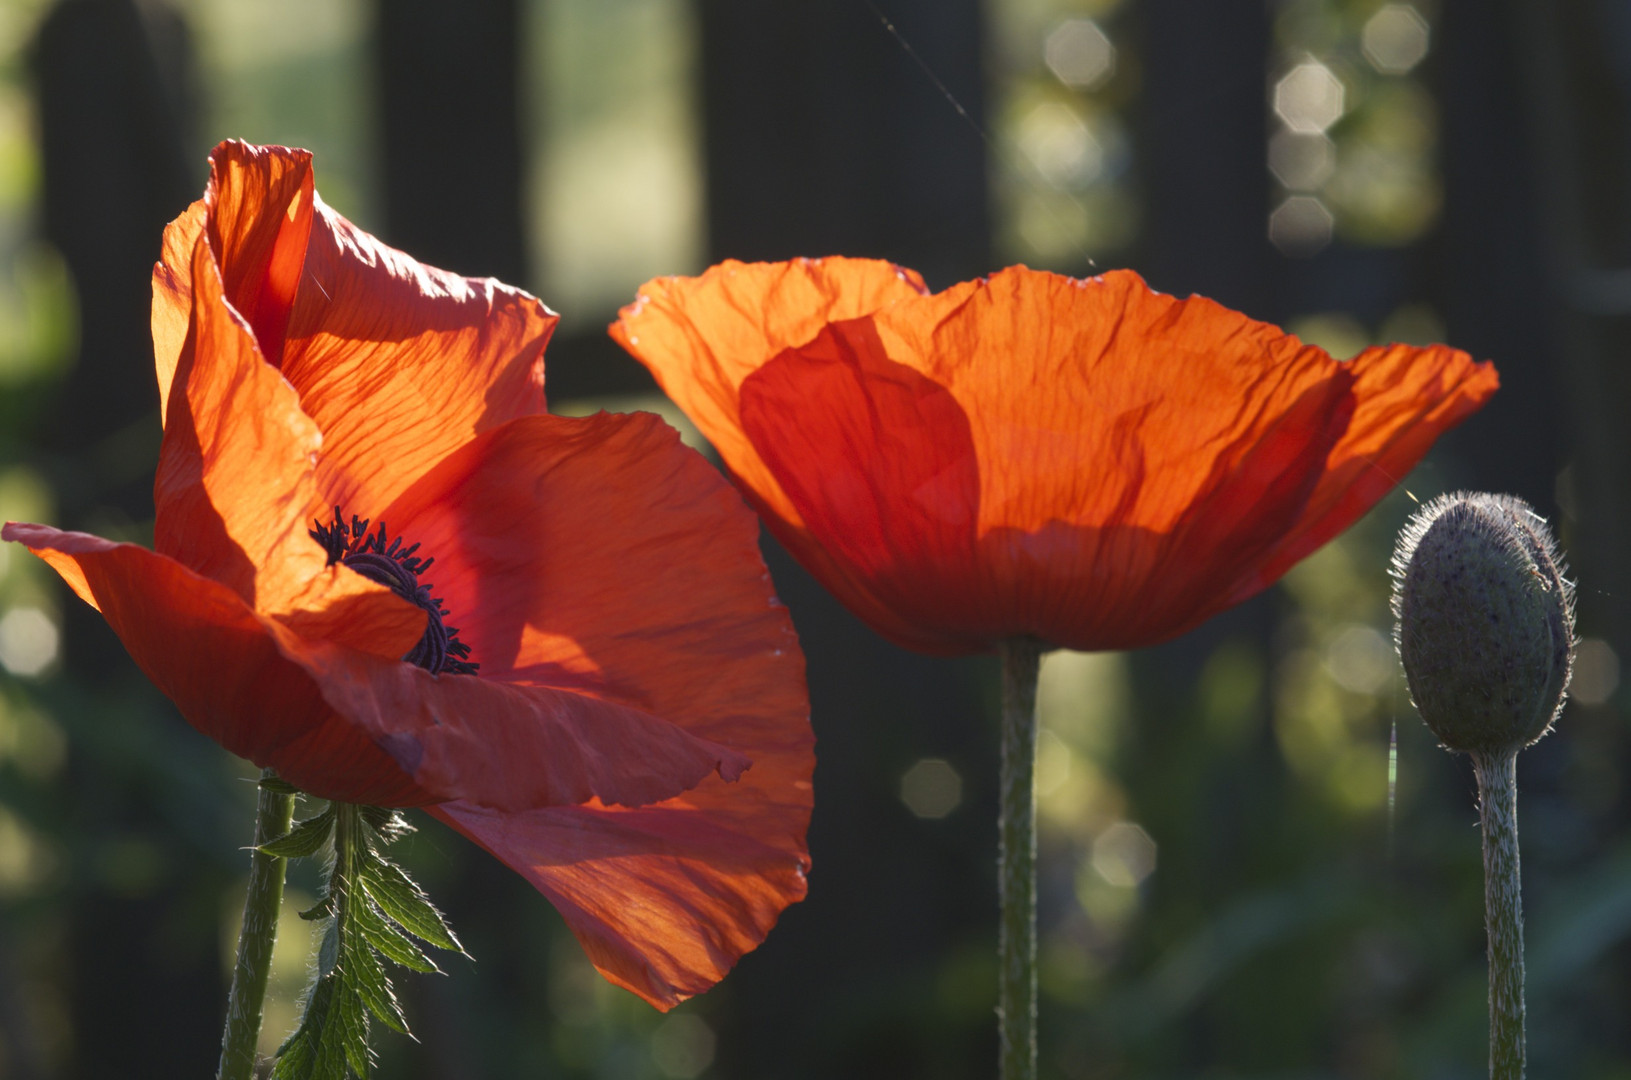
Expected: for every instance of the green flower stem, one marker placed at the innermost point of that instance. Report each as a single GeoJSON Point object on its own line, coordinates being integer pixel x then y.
{"type": "Point", "coordinates": [348, 855]}
{"type": "Point", "coordinates": [1016, 863]}
{"type": "Point", "coordinates": [255, 940]}
{"type": "Point", "coordinates": [1503, 910]}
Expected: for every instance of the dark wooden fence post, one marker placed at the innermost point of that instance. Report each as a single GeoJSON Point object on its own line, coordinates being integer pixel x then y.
{"type": "Point", "coordinates": [113, 87]}
{"type": "Point", "coordinates": [824, 136]}
{"type": "Point", "coordinates": [452, 134]}
{"type": "Point", "coordinates": [113, 83]}
{"type": "Point", "coordinates": [1203, 139]}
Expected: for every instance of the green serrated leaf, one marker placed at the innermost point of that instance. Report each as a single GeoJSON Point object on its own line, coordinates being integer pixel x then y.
{"type": "Point", "coordinates": [400, 898]}
{"type": "Point", "coordinates": [372, 908]}
{"type": "Point", "coordinates": [368, 977]}
{"type": "Point", "coordinates": [330, 1059]}
{"type": "Point", "coordinates": [352, 1025]}
{"type": "Point", "coordinates": [297, 1057]}
{"type": "Point", "coordinates": [279, 785]}
{"type": "Point", "coordinates": [332, 1040]}
{"type": "Point", "coordinates": [293, 1057]}
{"type": "Point", "coordinates": [385, 937]}
{"type": "Point", "coordinates": [294, 1060]}
{"type": "Point", "coordinates": [304, 839]}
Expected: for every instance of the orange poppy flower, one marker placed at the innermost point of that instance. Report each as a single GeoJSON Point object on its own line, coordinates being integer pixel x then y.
{"type": "Point", "coordinates": [1084, 462]}
{"type": "Point", "coordinates": [619, 660]}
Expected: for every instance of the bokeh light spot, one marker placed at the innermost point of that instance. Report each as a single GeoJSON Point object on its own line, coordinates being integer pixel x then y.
{"type": "Point", "coordinates": [1301, 227]}
{"type": "Point", "coordinates": [1309, 98]}
{"type": "Point", "coordinates": [1060, 146]}
{"type": "Point", "coordinates": [1395, 39]}
{"type": "Point", "coordinates": [27, 860]}
{"type": "Point", "coordinates": [1344, 337]}
{"type": "Point", "coordinates": [1079, 54]}
{"type": "Point", "coordinates": [576, 991]}
{"type": "Point", "coordinates": [1413, 324]}
{"type": "Point", "coordinates": [1110, 909]}
{"type": "Point", "coordinates": [1360, 659]}
{"type": "Point", "coordinates": [1124, 854]}
{"type": "Point", "coordinates": [30, 741]}
{"type": "Point", "coordinates": [931, 788]}
{"type": "Point", "coordinates": [1596, 672]}
{"type": "Point", "coordinates": [1301, 162]}
{"type": "Point", "coordinates": [29, 641]}
{"type": "Point", "coordinates": [682, 1047]}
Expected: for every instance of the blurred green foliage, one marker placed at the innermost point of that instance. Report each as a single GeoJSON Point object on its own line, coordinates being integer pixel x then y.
{"type": "Point", "coordinates": [1238, 877]}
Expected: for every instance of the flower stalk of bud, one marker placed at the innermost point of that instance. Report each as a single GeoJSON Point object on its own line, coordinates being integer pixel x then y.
{"type": "Point", "coordinates": [1486, 634]}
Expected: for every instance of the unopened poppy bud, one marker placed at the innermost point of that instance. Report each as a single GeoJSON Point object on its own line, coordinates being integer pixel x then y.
{"type": "Point", "coordinates": [1485, 621]}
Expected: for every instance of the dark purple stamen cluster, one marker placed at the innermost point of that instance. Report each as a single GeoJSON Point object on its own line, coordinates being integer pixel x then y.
{"type": "Point", "coordinates": [398, 569]}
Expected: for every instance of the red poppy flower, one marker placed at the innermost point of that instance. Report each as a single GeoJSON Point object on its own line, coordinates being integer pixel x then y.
{"type": "Point", "coordinates": [1085, 462]}
{"type": "Point", "coordinates": [619, 660]}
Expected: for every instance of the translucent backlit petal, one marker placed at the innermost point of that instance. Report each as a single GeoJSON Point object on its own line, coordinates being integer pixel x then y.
{"type": "Point", "coordinates": [219, 662]}
{"type": "Point", "coordinates": [396, 362]}
{"type": "Point", "coordinates": [637, 739]}
{"type": "Point", "coordinates": [1137, 453]}
{"type": "Point", "coordinates": [1084, 461]}
{"type": "Point", "coordinates": [261, 201]}
{"type": "Point", "coordinates": [1101, 402]}
{"type": "Point", "coordinates": [568, 551]}
{"type": "Point", "coordinates": [236, 488]}
{"type": "Point", "coordinates": [173, 296]}
{"type": "Point", "coordinates": [401, 363]}
{"type": "Point", "coordinates": [879, 464]}
{"type": "Point", "coordinates": [1405, 397]}
{"type": "Point", "coordinates": [664, 899]}
{"type": "Point", "coordinates": [509, 746]}
{"type": "Point", "coordinates": [702, 336]}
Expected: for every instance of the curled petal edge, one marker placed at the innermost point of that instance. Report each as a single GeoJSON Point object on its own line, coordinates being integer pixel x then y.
{"type": "Point", "coordinates": [359, 727]}
{"type": "Point", "coordinates": [663, 900]}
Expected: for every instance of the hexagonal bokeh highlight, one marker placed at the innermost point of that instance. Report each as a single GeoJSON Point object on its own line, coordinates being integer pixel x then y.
{"type": "Point", "coordinates": [1079, 54]}
{"type": "Point", "coordinates": [1124, 854]}
{"type": "Point", "coordinates": [1309, 98]}
{"type": "Point", "coordinates": [1301, 226]}
{"type": "Point", "coordinates": [1301, 162]}
{"type": "Point", "coordinates": [1060, 146]}
{"type": "Point", "coordinates": [1395, 39]}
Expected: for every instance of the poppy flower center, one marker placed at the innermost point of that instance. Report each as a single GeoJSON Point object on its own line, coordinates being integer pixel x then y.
{"type": "Point", "coordinates": [398, 569]}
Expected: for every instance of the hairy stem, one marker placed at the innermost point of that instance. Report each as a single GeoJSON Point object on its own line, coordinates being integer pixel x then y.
{"type": "Point", "coordinates": [1503, 911]}
{"type": "Point", "coordinates": [1016, 863]}
{"type": "Point", "coordinates": [348, 841]}
{"type": "Point", "coordinates": [256, 938]}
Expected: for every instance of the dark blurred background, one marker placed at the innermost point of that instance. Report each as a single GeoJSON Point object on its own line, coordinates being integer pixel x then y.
{"type": "Point", "coordinates": [1233, 885]}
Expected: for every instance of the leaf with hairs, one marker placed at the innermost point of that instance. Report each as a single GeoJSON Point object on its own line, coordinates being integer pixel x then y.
{"type": "Point", "coordinates": [400, 898]}
{"type": "Point", "coordinates": [306, 838]}
{"type": "Point", "coordinates": [391, 943]}
{"type": "Point", "coordinates": [374, 989]}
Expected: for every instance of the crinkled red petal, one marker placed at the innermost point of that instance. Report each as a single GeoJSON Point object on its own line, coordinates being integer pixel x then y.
{"type": "Point", "coordinates": [207, 651]}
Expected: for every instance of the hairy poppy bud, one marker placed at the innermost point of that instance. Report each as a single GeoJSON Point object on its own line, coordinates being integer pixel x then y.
{"type": "Point", "coordinates": [1485, 621]}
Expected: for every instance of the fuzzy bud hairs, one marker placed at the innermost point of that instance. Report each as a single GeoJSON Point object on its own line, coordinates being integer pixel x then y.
{"type": "Point", "coordinates": [1485, 621]}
